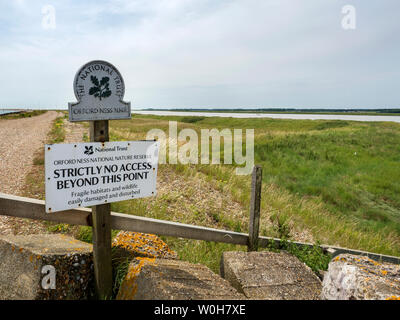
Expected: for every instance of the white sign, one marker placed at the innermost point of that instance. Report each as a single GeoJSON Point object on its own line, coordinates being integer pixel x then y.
{"type": "Point", "coordinates": [99, 89]}
{"type": "Point", "coordinates": [87, 174]}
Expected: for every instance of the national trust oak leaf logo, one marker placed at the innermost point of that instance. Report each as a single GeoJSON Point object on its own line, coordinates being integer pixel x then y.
{"type": "Point", "coordinates": [101, 89]}
{"type": "Point", "coordinates": [89, 150]}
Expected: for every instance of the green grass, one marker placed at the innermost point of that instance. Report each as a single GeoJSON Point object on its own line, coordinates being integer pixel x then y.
{"type": "Point", "coordinates": [85, 234]}
{"type": "Point", "coordinates": [59, 227]}
{"type": "Point", "coordinates": [20, 115]}
{"type": "Point", "coordinates": [337, 179]}
{"type": "Point", "coordinates": [354, 173]}
{"type": "Point", "coordinates": [120, 269]}
{"type": "Point", "coordinates": [205, 252]}
{"type": "Point", "coordinates": [314, 256]}
{"type": "Point", "coordinates": [57, 133]}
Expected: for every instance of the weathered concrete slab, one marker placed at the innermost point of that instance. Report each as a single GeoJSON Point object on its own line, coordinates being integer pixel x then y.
{"type": "Point", "coordinates": [136, 244]}
{"type": "Point", "coordinates": [351, 277]}
{"type": "Point", "coordinates": [162, 279]}
{"type": "Point", "coordinates": [24, 258]}
{"type": "Point", "coordinates": [270, 276]}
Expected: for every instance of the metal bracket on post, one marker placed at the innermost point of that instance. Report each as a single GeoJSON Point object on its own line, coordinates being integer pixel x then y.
{"type": "Point", "coordinates": [255, 202]}
{"type": "Point", "coordinates": [101, 219]}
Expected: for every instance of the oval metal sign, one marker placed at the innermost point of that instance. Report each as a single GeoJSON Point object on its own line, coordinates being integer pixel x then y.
{"type": "Point", "coordinates": [99, 89]}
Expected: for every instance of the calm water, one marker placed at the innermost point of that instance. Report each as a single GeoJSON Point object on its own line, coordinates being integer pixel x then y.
{"type": "Point", "coordinates": [4, 111]}
{"type": "Point", "coordinates": [273, 115]}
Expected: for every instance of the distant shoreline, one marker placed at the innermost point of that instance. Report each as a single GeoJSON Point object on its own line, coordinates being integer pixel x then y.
{"type": "Point", "coordinates": [293, 116]}
{"type": "Point", "coordinates": [383, 112]}
{"type": "Point", "coordinates": [8, 111]}
{"type": "Point", "coordinates": [261, 111]}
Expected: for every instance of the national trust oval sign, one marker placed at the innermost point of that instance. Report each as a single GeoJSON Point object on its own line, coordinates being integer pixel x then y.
{"type": "Point", "coordinates": [99, 89]}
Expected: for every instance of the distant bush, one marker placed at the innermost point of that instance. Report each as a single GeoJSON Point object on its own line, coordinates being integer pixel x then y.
{"type": "Point", "coordinates": [332, 125]}
{"type": "Point", "coordinates": [192, 119]}
{"type": "Point", "coordinates": [24, 114]}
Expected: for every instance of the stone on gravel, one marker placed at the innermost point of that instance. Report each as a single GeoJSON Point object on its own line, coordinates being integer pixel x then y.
{"type": "Point", "coordinates": [164, 279]}
{"type": "Point", "coordinates": [351, 277]}
{"type": "Point", "coordinates": [22, 271]}
{"type": "Point", "coordinates": [270, 276]}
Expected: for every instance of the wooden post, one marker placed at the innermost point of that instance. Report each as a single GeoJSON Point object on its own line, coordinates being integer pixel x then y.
{"type": "Point", "coordinates": [101, 217]}
{"type": "Point", "coordinates": [255, 202]}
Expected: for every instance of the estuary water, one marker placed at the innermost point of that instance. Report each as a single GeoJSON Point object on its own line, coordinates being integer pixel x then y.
{"type": "Point", "coordinates": [5, 111]}
{"type": "Point", "coordinates": [272, 115]}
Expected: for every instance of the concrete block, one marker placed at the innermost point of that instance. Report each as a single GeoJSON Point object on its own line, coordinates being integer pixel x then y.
{"type": "Point", "coordinates": [26, 262]}
{"type": "Point", "coordinates": [162, 279]}
{"type": "Point", "coordinates": [351, 277]}
{"type": "Point", "coordinates": [270, 276]}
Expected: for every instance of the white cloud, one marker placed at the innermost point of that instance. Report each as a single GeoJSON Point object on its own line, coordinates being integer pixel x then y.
{"type": "Point", "coordinates": [191, 53]}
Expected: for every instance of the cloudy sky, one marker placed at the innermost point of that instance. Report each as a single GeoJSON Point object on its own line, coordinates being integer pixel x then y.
{"type": "Point", "coordinates": [204, 53]}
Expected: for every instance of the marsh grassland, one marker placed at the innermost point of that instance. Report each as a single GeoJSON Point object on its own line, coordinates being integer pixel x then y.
{"type": "Point", "coordinates": [330, 182]}
{"type": "Point", "coordinates": [334, 182]}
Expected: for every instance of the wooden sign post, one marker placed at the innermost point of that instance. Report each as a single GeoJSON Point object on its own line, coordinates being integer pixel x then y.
{"type": "Point", "coordinates": [100, 172]}
{"type": "Point", "coordinates": [101, 219]}
{"type": "Point", "coordinates": [99, 89]}
{"type": "Point", "coordinates": [255, 206]}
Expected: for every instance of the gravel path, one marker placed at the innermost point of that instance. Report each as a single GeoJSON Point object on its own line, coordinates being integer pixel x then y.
{"type": "Point", "coordinates": [74, 132]}
{"type": "Point", "coordinates": [19, 140]}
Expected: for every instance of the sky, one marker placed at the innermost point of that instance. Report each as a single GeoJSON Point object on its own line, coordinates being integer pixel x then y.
{"type": "Point", "coordinates": [205, 53]}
